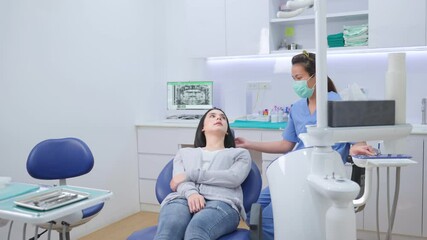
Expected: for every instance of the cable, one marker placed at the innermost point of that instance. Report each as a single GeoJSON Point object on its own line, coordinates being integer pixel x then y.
{"type": "Point", "coordinates": [378, 196]}
{"type": "Point", "coordinates": [64, 230]}
{"type": "Point", "coordinates": [50, 229]}
{"type": "Point", "coordinates": [24, 231]}
{"type": "Point", "coordinates": [38, 235]}
{"type": "Point", "coordinates": [391, 214]}
{"type": "Point", "coordinates": [393, 208]}
{"type": "Point", "coordinates": [10, 230]}
{"type": "Point", "coordinates": [388, 194]}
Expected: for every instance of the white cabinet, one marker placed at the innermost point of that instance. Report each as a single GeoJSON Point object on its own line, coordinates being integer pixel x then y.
{"type": "Point", "coordinates": [397, 23]}
{"type": "Point", "coordinates": [156, 147]}
{"type": "Point", "coordinates": [246, 27]}
{"type": "Point", "coordinates": [205, 21]}
{"type": "Point", "coordinates": [225, 27]}
{"type": "Point", "coordinates": [262, 160]}
{"type": "Point", "coordinates": [339, 13]}
{"type": "Point", "coordinates": [268, 158]}
{"type": "Point", "coordinates": [408, 220]}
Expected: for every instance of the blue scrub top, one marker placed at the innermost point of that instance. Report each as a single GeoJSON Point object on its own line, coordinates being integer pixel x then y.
{"type": "Point", "coordinates": [300, 116]}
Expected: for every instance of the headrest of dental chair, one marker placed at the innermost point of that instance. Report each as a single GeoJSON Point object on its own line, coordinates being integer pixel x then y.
{"type": "Point", "coordinates": [59, 159]}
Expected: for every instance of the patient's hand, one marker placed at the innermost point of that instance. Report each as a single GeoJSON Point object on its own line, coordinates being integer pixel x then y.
{"type": "Point", "coordinates": [196, 202]}
{"type": "Point", "coordinates": [176, 180]}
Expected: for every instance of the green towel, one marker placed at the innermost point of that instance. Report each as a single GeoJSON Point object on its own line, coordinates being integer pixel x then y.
{"type": "Point", "coordinates": [356, 44]}
{"type": "Point", "coordinates": [336, 43]}
{"type": "Point", "coordinates": [357, 38]}
{"type": "Point", "coordinates": [355, 30]}
{"type": "Point", "coordinates": [335, 36]}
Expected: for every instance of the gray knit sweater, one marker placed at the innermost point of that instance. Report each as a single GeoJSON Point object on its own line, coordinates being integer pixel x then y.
{"type": "Point", "coordinates": [221, 181]}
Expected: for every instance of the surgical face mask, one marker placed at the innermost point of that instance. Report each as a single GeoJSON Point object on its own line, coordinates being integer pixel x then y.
{"type": "Point", "coordinates": [301, 88]}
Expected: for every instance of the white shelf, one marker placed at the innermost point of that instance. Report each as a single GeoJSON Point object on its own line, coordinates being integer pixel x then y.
{"type": "Point", "coordinates": [354, 15]}
{"type": "Point", "coordinates": [331, 51]}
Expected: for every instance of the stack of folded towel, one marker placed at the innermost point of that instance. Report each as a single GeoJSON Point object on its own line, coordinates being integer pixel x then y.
{"type": "Point", "coordinates": [336, 40]}
{"type": "Point", "coordinates": [356, 35]}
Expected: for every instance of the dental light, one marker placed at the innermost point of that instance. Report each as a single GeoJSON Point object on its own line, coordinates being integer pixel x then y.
{"type": "Point", "coordinates": [311, 195]}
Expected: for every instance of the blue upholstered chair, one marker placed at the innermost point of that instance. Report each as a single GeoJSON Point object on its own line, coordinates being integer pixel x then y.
{"type": "Point", "coordinates": [59, 159]}
{"type": "Point", "coordinates": [251, 188]}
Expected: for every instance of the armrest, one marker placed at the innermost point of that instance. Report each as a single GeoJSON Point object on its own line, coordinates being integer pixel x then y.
{"type": "Point", "coordinates": [255, 223]}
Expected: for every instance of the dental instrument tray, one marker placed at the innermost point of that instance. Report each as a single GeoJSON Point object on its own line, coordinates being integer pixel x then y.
{"type": "Point", "coordinates": [383, 160]}
{"type": "Point", "coordinates": [383, 156]}
{"type": "Point", "coordinates": [50, 199]}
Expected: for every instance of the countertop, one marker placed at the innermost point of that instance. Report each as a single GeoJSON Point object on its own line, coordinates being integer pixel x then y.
{"type": "Point", "coordinates": [417, 129]}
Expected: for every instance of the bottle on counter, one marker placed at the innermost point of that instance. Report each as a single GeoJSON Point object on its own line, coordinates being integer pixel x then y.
{"type": "Point", "coordinates": [274, 117]}
{"type": "Point", "coordinates": [280, 115]}
{"type": "Point", "coordinates": [265, 112]}
{"type": "Point", "coordinates": [286, 114]}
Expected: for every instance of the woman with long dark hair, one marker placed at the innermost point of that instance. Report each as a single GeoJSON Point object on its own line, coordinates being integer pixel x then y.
{"type": "Point", "coordinates": [207, 200]}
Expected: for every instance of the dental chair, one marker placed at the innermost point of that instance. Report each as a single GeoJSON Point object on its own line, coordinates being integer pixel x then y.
{"type": "Point", "coordinates": [251, 188]}
{"type": "Point", "coordinates": [59, 159]}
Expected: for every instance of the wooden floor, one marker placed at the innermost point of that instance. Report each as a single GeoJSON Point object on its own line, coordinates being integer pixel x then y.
{"type": "Point", "coordinates": [122, 229]}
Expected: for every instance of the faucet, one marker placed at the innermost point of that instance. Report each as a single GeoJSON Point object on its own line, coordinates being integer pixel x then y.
{"type": "Point", "coordinates": [423, 111]}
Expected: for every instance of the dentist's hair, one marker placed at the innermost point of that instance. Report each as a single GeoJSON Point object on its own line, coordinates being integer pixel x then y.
{"type": "Point", "coordinates": [200, 138]}
{"type": "Point", "coordinates": [308, 62]}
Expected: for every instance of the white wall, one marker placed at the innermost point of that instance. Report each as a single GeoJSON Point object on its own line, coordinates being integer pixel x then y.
{"type": "Point", "coordinates": [84, 69]}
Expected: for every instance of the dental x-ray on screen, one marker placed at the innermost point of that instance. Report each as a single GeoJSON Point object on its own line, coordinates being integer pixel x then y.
{"type": "Point", "coordinates": [190, 95]}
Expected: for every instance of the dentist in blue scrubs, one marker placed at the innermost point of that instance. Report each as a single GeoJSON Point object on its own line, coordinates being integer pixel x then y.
{"type": "Point", "coordinates": [303, 112]}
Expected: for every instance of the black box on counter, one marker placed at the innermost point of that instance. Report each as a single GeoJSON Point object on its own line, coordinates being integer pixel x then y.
{"type": "Point", "coordinates": [361, 113]}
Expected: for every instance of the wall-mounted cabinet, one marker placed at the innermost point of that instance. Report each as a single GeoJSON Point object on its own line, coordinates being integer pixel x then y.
{"type": "Point", "coordinates": [219, 28]}
{"type": "Point", "coordinates": [205, 21]}
{"type": "Point", "coordinates": [226, 27]}
{"type": "Point", "coordinates": [397, 23]}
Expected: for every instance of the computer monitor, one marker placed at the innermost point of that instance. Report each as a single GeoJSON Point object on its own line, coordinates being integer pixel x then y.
{"type": "Point", "coordinates": [190, 95]}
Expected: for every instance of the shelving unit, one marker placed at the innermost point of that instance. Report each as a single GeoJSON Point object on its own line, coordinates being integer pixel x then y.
{"type": "Point", "coordinates": [340, 13]}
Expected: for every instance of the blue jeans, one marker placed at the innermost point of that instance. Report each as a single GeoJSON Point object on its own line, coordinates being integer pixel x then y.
{"type": "Point", "coordinates": [264, 200]}
{"type": "Point", "coordinates": [217, 218]}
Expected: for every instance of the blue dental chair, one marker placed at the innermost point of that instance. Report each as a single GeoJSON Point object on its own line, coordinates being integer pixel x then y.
{"type": "Point", "coordinates": [59, 159]}
{"type": "Point", "coordinates": [251, 188]}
